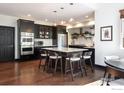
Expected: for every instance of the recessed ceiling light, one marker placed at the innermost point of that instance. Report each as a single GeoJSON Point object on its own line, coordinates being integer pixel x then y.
{"type": "Point", "coordinates": [28, 15]}
{"type": "Point", "coordinates": [54, 11]}
{"type": "Point", "coordinates": [63, 22]}
{"type": "Point", "coordinates": [46, 20]}
{"type": "Point", "coordinates": [61, 7]}
{"type": "Point", "coordinates": [86, 16]}
{"type": "Point", "coordinates": [77, 22]}
{"type": "Point", "coordinates": [71, 19]}
{"type": "Point", "coordinates": [71, 3]}
{"type": "Point", "coordinates": [55, 24]}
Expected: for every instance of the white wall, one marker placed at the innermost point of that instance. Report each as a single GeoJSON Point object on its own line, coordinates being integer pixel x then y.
{"type": "Point", "coordinates": [105, 15]}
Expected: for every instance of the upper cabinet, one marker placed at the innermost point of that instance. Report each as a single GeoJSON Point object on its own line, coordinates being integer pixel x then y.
{"type": "Point", "coordinates": [48, 32]}
{"type": "Point", "coordinates": [61, 29]}
{"type": "Point", "coordinates": [36, 31]}
{"type": "Point", "coordinates": [58, 30]}
{"type": "Point", "coordinates": [54, 32]}
{"type": "Point", "coordinates": [43, 31]}
{"type": "Point", "coordinates": [25, 25]}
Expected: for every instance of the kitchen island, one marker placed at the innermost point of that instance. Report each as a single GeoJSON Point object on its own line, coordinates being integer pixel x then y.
{"type": "Point", "coordinates": [66, 53]}
{"type": "Point", "coordinates": [86, 47]}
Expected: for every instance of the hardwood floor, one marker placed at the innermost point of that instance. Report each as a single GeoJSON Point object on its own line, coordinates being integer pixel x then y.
{"type": "Point", "coordinates": [27, 73]}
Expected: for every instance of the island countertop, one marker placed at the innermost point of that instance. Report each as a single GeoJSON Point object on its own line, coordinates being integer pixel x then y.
{"type": "Point", "coordinates": [64, 49]}
{"type": "Point", "coordinates": [43, 46]}
{"type": "Point", "coordinates": [82, 46]}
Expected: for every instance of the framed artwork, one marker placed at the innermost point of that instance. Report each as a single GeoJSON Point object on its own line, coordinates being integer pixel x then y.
{"type": "Point", "coordinates": [106, 33]}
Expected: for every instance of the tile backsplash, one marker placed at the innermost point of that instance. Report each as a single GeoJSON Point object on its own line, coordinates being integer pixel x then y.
{"type": "Point", "coordinates": [46, 42]}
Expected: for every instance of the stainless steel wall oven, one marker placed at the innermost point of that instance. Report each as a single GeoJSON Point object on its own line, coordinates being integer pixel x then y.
{"type": "Point", "coordinates": [27, 43]}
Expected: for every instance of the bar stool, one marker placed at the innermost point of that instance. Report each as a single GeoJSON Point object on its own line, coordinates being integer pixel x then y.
{"type": "Point", "coordinates": [56, 58]}
{"type": "Point", "coordinates": [87, 56]}
{"type": "Point", "coordinates": [43, 55]}
{"type": "Point", "coordinates": [73, 58]}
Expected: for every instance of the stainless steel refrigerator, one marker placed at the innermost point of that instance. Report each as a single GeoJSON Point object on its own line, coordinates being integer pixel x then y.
{"type": "Point", "coordinates": [62, 40]}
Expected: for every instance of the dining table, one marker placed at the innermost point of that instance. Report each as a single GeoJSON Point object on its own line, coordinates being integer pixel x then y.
{"type": "Point", "coordinates": [114, 68]}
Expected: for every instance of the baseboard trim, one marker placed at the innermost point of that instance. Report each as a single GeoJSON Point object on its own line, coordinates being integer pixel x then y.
{"type": "Point", "coordinates": [100, 67]}
{"type": "Point", "coordinates": [16, 59]}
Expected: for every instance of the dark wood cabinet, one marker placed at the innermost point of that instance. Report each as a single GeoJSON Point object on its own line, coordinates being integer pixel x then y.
{"type": "Point", "coordinates": [43, 31]}
{"type": "Point", "coordinates": [37, 52]}
{"type": "Point", "coordinates": [25, 25]}
{"type": "Point", "coordinates": [54, 35]}
{"type": "Point", "coordinates": [57, 30]}
{"type": "Point", "coordinates": [36, 31]}
{"type": "Point", "coordinates": [61, 29]}
{"type": "Point", "coordinates": [49, 32]}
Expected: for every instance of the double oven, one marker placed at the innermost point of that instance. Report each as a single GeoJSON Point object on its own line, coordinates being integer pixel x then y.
{"type": "Point", "coordinates": [27, 43]}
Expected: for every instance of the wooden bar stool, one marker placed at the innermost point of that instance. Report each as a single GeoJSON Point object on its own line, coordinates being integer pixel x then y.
{"type": "Point", "coordinates": [43, 55]}
{"type": "Point", "coordinates": [73, 58]}
{"type": "Point", "coordinates": [87, 56]}
{"type": "Point", "coordinates": [56, 58]}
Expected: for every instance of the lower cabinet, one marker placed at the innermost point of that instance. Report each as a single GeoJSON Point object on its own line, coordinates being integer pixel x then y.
{"type": "Point", "coordinates": [37, 52]}
{"type": "Point", "coordinates": [26, 57]}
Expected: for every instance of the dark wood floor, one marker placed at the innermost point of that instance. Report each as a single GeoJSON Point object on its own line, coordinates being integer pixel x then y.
{"type": "Point", "coordinates": [27, 73]}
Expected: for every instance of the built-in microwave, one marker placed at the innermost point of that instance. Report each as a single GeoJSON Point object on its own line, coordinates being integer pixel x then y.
{"type": "Point", "coordinates": [38, 43]}
{"type": "Point", "coordinates": [27, 40]}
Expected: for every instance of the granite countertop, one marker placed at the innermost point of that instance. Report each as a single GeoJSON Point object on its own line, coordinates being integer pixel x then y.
{"type": "Point", "coordinates": [65, 49]}
{"type": "Point", "coordinates": [46, 46]}
{"type": "Point", "coordinates": [82, 46]}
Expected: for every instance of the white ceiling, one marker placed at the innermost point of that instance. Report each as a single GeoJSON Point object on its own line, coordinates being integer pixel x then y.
{"type": "Point", "coordinates": [42, 11]}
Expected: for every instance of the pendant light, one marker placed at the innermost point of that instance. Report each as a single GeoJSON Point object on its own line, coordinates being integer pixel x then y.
{"type": "Point", "coordinates": [55, 23]}
{"type": "Point", "coordinates": [62, 21]}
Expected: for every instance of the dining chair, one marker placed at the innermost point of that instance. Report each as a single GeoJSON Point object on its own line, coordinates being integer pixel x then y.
{"type": "Point", "coordinates": [87, 58]}
{"type": "Point", "coordinates": [69, 64]}
{"type": "Point", "coordinates": [56, 58]}
{"type": "Point", "coordinates": [107, 58]}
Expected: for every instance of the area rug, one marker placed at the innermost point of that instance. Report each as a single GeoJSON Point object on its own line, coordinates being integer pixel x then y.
{"type": "Point", "coordinates": [119, 82]}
